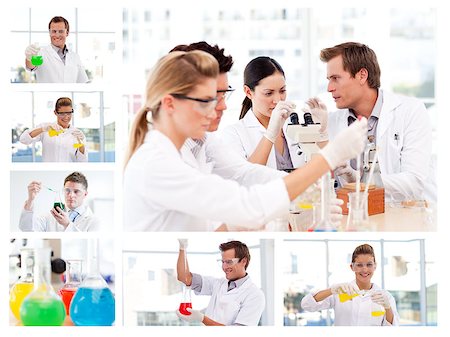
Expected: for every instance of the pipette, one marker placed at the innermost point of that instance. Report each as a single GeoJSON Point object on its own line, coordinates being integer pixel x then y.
{"type": "Point", "coordinates": [49, 189]}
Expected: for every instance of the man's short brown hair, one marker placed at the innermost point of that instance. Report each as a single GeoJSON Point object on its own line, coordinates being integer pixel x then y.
{"type": "Point", "coordinates": [355, 56]}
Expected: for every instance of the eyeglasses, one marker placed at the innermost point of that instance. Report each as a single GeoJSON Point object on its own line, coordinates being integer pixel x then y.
{"type": "Point", "coordinates": [64, 113]}
{"type": "Point", "coordinates": [230, 262]}
{"type": "Point", "coordinates": [360, 265]}
{"type": "Point", "coordinates": [224, 94]}
{"type": "Point", "coordinates": [56, 31]}
{"type": "Point", "coordinates": [205, 106]}
{"type": "Point", "coordinates": [77, 192]}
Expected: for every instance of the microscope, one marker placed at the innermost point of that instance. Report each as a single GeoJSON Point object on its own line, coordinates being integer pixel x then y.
{"type": "Point", "coordinates": [305, 135]}
{"type": "Point", "coordinates": [368, 161]}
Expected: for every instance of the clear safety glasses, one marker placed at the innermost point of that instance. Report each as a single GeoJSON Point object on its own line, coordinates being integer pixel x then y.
{"type": "Point", "coordinates": [360, 265]}
{"type": "Point", "coordinates": [57, 31]}
{"type": "Point", "coordinates": [68, 191]}
{"type": "Point", "coordinates": [230, 262]}
{"type": "Point", "coordinates": [224, 94]}
{"type": "Point", "coordinates": [204, 105]}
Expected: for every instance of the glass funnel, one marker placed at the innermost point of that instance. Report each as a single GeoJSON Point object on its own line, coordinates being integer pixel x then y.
{"type": "Point", "coordinates": [24, 284]}
{"type": "Point", "coordinates": [73, 281]}
{"type": "Point", "coordinates": [93, 303]}
{"type": "Point", "coordinates": [42, 306]}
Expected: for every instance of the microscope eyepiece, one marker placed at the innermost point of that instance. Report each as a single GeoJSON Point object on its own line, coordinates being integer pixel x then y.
{"type": "Point", "coordinates": [294, 118]}
{"type": "Point", "coordinates": [308, 118]}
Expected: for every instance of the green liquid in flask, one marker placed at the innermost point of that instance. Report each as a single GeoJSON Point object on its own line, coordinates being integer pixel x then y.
{"type": "Point", "coordinates": [42, 312]}
{"type": "Point", "coordinates": [37, 60]}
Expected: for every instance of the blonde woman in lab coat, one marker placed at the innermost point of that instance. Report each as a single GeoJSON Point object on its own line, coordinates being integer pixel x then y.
{"type": "Point", "coordinates": [163, 193]}
{"type": "Point", "coordinates": [61, 141]}
{"type": "Point", "coordinates": [260, 136]}
{"type": "Point", "coordinates": [358, 302]}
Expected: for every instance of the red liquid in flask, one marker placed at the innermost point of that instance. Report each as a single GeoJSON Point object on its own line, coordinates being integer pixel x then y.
{"type": "Point", "coordinates": [183, 307]}
{"type": "Point", "coordinates": [66, 295]}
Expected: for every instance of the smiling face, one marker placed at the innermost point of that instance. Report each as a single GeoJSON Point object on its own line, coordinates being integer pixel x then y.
{"type": "Point", "coordinates": [64, 115]}
{"type": "Point", "coordinates": [58, 34]}
{"type": "Point", "coordinates": [363, 266]}
{"type": "Point", "coordinates": [233, 271]}
{"type": "Point", "coordinates": [267, 94]}
{"type": "Point", "coordinates": [345, 89]}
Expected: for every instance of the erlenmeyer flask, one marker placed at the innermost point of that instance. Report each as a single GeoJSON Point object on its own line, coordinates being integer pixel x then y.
{"type": "Point", "coordinates": [377, 310]}
{"type": "Point", "coordinates": [186, 301]}
{"type": "Point", "coordinates": [24, 284]}
{"type": "Point", "coordinates": [42, 306]}
{"type": "Point", "coordinates": [58, 201]}
{"type": "Point", "coordinates": [93, 303]}
{"type": "Point", "coordinates": [73, 281]}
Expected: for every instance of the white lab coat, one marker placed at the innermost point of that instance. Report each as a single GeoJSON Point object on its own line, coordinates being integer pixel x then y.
{"type": "Point", "coordinates": [53, 69]}
{"type": "Point", "coordinates": [355, 312]}
{"type": "Point", "coordinates": [57, 148]}
{"type": "Point", "coordinates": [217, 157]}
{"type": "Point", "coordinates": [242, 305]}
{"type": "Point", "coordinates": [244, 136]}
{"type": "Point", "coordinates": [85, 222]}
{"type": "Point", "coordinates": [404, 142]}
{"type": "Point", "coordinates": [163, 193]}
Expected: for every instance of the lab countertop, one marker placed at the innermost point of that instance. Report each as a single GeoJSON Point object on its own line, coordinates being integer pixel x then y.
{"type": "Point", "coordinates": [394, 219]}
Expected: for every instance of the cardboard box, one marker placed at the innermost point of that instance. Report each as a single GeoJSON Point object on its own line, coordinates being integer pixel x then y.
{"type": "Point", "coordinates": [375, 198]}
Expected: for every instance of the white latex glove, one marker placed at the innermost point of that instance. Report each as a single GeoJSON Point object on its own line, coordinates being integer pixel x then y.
{"type": "Point", "coordinates": [280, 113]}
{"type": "Point", "coordinates": [347, 144]}
{"type": "Point", "coordinates": [31, 50]}
{"type": "Point", "coordinates": [183, 243]}
{"type": "Point", "coordinates": [47, 126]}
{"type": "Point", "coordinates": [195, 316]}
{"type": "Point", "coordinates": [346, 173]}
{"type": "Point", "coordinates": [319, 114]}
{"type": "Point", "coordinates": [347, 288]}
{"type": "Point", "coordinates": [336, 211]}
{"type": "Point", "coordinates": [78, 135]}
{"type": "Point", "coordinates": [381, 297]}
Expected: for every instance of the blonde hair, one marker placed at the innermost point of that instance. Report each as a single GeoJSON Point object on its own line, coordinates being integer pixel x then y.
{"type": "Point", "coordinates": [178, 72]}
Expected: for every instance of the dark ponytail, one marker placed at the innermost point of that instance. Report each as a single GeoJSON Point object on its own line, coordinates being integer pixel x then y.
{"type": "Point", "coordinates": [256, 70]}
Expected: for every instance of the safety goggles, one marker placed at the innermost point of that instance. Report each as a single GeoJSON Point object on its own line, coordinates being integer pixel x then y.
{"type": "Point", "coordinates": [64, 113]}
{"type": "Point", "coordinates": [204, 105]}
{"type": "Point", "coordinates": [230, 262]}
{"type": "Point", "coordinates": [360, 265]}
{"type": "Point", "coordinates": [224, 94]}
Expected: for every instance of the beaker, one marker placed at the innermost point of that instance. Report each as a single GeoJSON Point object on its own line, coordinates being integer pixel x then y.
{"type": "Point", "coordinates": [93, 303]}
{"type": "Point", "coordinates": [376, 310]}
{"type": "Point", "coordinates": [358, 215]}
{"type": "Point", "coordinates": [42, 306]}
{"type": "Point", "coordinates": [326, 193]}
{"type": "Point", "coordinates": [73, 281]}
{"type": "Point", "coordinates": [36, 59]}
{"type": "Point", "coordinates": [186, 301]}
{"type": "Point", "coordinates": [24, 284]}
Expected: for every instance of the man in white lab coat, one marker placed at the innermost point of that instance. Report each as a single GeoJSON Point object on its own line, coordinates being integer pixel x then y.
{"type": "Point", "coordinates": [58, 64]}
{"type": "Point", "coordinates": [74, 216]}
{"type": "Point", "coordinates": [235, 299]}
{"type": "Point", "coordinates": [212, 155]}
{"type": "Point", "coordinates": [398, 125]}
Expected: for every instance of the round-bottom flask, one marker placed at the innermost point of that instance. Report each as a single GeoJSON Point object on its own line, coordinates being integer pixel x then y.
{"type": "Point", "coordinates": [25, 284]}
{"type": "Point", "coordinates": [42, 306]}
{"type": "Point", "coordinates": [93, 303]}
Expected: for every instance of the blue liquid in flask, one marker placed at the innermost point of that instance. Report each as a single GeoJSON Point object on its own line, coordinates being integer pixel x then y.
{"type": "Point", "coordinates": [93, 307]}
